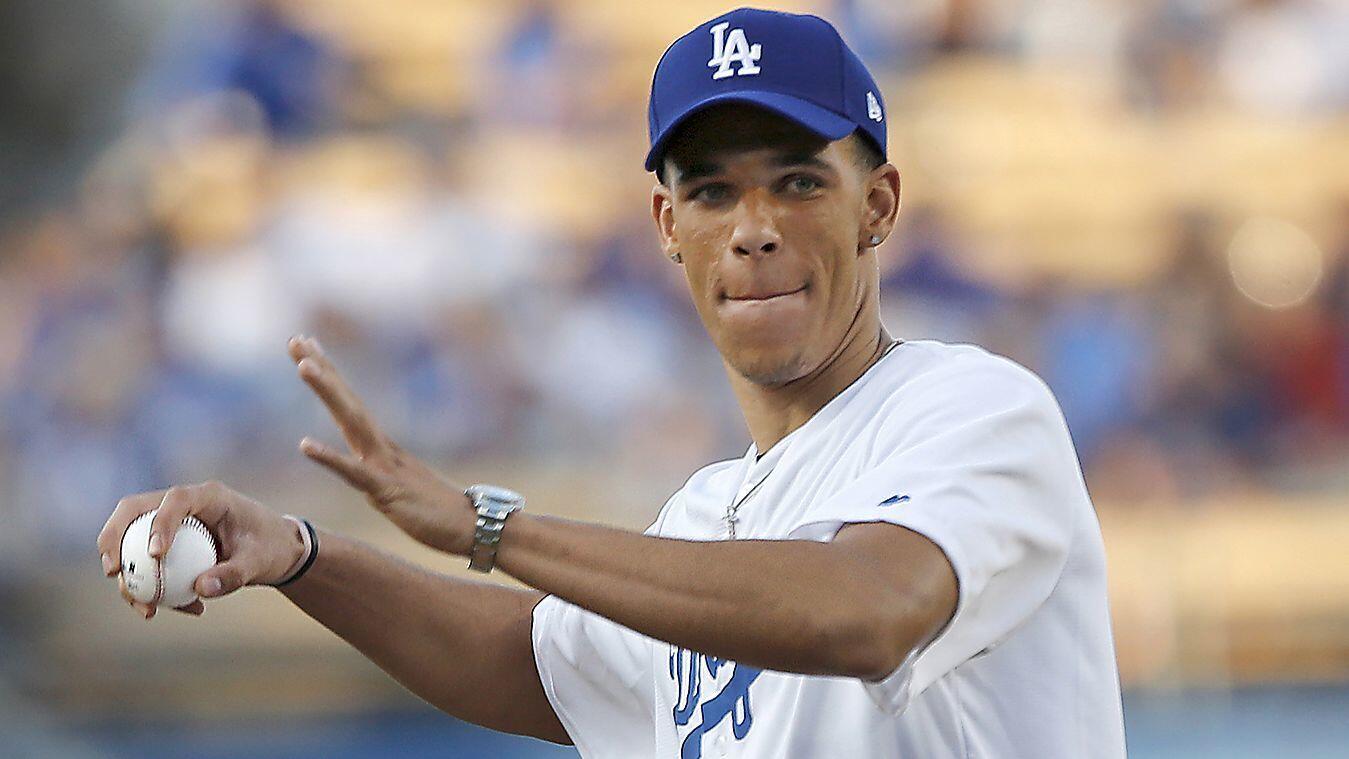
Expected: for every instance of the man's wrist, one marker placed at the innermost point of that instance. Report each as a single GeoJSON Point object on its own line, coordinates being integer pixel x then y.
{"type": "Point", "coordinates": [301, 543]}
{"type": "Point", "coordinates": [463, 546]}
{"type": "Point", "coordinates": [514, 526]}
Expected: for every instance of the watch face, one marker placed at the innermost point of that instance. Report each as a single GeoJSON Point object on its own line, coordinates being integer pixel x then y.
{"type": "Point", "coordinates": [492, 495]}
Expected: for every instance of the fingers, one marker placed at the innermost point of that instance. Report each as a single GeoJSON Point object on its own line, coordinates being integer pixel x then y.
{"type": "Point", "coordinates": [356, 472]}
{"type": "Point", "coordinates": [145, 610]}
{"type": "Point", "coordinates": [226, 577]}
{"type": "Point", "coordinates": [110, 537]}
{"type": "Point", "coordinates": [148, 610]}
{"type": "Point", "coordinates": [207, 501]}
{"type": "Point", "coordinates": [211, 502]}
{"type": "Point", "coordinates": [220, 580]}
{"type": "Point", "coordinates": [317, 371]}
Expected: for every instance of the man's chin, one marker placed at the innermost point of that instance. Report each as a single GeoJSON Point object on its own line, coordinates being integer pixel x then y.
{"type": "Point", "coordinates": [769, 367]}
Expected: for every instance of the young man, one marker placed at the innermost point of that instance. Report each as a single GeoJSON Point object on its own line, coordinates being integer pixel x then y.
{"type": "Point", "coordinates": [904, 563]}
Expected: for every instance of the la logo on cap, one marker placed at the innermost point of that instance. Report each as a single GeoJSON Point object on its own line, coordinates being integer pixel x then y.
{"type": "Point", "coordinates": [731, 48]}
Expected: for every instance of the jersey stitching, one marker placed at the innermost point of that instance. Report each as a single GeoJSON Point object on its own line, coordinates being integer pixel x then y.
{"type": "Point", "coordinates": [961, 721]}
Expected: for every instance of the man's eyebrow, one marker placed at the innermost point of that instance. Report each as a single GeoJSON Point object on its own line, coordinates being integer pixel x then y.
{"type": "Point", "coordinates": [698, 170]}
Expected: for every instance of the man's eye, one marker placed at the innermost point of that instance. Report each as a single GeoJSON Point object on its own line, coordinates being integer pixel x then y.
{"type": "Point", "coordinates": [711, 193]}
{"type": "Point", "coordinates": [803, 185]}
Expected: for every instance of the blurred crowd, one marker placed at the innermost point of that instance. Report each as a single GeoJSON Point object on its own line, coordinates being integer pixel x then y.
{"type": "Point", "coordinates": [450, 197]}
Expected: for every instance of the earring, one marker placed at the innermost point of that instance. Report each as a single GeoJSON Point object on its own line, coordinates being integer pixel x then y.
{"type": "Point", "coordinates": [875, 240]}
{"type": "Point", "coordinates": [676, 257]}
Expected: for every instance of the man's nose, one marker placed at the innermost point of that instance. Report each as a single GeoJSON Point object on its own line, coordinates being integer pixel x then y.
{"type": "Point", "coordinates": [755, 228]}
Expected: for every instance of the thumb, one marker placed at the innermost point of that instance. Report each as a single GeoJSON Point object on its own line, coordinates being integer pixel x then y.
{"type": "Point", "coordinates": [224, 578]}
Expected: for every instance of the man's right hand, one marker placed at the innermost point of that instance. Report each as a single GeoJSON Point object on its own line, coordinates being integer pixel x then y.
{"type": "Point", "coordinates": [257, 546]}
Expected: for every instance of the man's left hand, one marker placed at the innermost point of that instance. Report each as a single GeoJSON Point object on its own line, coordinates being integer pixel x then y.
{"type": "Point", "coordinates": [428, 507]}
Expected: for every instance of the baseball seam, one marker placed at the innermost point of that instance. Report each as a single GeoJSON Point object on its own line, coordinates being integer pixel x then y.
{"type": "Point", "coordinates": [191, 523]}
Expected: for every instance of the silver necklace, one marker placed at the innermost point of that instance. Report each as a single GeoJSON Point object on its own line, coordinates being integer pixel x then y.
{"type": "Point", "coordinates": [733, 508]}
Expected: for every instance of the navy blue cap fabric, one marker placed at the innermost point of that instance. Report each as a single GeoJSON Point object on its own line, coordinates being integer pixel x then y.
{"type": "Point", "coordinates": [794, 65]}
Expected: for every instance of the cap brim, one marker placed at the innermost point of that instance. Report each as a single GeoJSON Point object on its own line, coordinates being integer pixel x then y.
{"type": "Point", "coordinates": [817, 119]}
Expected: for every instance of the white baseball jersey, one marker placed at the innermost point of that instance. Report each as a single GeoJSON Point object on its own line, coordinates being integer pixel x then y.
{"type": "Point", "coordinates": [964, 447]}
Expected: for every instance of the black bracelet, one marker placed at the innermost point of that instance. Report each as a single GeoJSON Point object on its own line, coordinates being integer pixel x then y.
{"type": "Point", "coordinates": [309, 561]}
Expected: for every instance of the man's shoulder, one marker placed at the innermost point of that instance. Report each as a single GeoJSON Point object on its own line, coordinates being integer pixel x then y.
{"type": "Point", "coordinates": [957, 377]}
{"type": "Point", "coordinates": [934, 361]}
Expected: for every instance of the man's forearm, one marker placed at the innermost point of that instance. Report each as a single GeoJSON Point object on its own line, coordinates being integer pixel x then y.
{"type": "Point", "coordinates": [795, 606]}
{"type": "Point", "coordinates": [464, 647]}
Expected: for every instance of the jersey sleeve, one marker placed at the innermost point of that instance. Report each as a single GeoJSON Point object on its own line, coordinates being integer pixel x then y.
{"type": "Point", "coordinates": [984, 468]}
{"type": "Point", "coordinates": [597, 675]}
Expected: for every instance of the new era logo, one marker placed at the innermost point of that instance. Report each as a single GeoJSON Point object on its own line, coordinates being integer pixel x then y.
{"type": "Point", "coordinates": [732, 48]}
{"type": "Point", "coordinates": [873, 107]}
{"type": "Point", "coordinates": [894, 499]}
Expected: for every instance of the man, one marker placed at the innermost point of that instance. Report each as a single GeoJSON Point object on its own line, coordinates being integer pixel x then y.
{"type": "Point", "coordinates": [905, 562]}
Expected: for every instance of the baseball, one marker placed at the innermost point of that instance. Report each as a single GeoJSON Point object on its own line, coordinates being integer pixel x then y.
{"type": "Point", "coordinates": [167, 581]}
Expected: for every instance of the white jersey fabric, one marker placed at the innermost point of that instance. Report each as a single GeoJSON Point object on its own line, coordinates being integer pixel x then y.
{"type": "Point", "coordinates": [960, 445]}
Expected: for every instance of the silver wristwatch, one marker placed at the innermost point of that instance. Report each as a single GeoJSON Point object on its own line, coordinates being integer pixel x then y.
{"type": "Point", "coordinates": [493, 505]}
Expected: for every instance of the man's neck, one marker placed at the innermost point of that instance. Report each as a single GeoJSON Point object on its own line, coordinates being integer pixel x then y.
{"type": "Point", "coordinates": [772, 413]}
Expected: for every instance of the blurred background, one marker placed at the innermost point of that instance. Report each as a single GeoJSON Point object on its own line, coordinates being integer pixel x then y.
{"type": "Point", "coordinates": [1145, 201]}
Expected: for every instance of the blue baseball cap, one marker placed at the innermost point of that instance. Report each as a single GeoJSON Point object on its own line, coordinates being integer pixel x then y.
{"type": "Point", "coordinates": [796, 66]}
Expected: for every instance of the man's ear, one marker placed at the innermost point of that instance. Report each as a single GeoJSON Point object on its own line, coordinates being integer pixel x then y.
{"type": "Point", "coordinates": [662, 212]}
{"type": "Point", "coordinates": [881, 206]}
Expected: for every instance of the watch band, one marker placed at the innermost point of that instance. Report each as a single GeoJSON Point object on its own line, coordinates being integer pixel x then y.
{"type": "Point", "coordinates": [486, 538]}
{"type": "Point", "coordinates": [493, 504]}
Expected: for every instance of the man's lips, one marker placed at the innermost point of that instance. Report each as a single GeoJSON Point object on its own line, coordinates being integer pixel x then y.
{"type": "Point", "coordinates": [765, 309]}
{"type": "Point", "coordinates": [765, 294]}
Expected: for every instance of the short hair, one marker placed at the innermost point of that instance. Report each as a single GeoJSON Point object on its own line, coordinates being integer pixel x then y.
{"type": "Point", "coordinates": [869, 155]}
